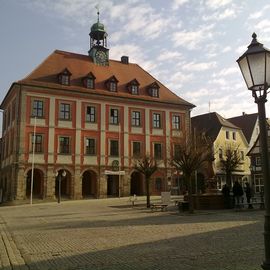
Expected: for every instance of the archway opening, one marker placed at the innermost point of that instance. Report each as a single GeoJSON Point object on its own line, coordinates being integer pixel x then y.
{"type": "Point", "coordinates": [137, 184]}
{"type": "Point", "coordinates": [113, 185]}
{"type": "Point", "coordinates": [38, 183]}
{"type": "Point", "coordinates": [89, 184]}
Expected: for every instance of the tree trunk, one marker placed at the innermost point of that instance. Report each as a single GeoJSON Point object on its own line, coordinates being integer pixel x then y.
{"type": "Point", "coordinates": [228, 179]}
{"type": "Point", "coordinates": [190, 200]}
{"type": "Point", "coordinates": [147, 183]}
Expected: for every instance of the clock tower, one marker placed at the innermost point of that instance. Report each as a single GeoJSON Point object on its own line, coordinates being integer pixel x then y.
{"type": "Point", "coordinates": [98, 43]}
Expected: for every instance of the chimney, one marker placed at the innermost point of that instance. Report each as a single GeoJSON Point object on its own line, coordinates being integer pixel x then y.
{"type": "Point", "coordinates": [124, 60]}
{"type": "Point", "coordinates": [243, 113]}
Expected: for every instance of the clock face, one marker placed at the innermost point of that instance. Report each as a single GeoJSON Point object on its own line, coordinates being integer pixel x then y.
{"type": "Point", "coordinates": [101, 57]}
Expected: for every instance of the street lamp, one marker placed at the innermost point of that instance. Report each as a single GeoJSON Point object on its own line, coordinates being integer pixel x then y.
{"type": "Point", "coordinates": [60, 175]}
{"type": "Point", "coordinates": [255, 68]}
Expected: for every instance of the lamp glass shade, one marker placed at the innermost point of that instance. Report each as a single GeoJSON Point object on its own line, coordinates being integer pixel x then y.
{"type": "Point", "coordinates": [257, 69]}
{"type": "Point", "coordinates": [268, 68]}
{"type": "Point", "coordinates": [243, 64]}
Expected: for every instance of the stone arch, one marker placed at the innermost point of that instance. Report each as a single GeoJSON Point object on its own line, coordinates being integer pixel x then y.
{"type": "Point", "coordinates": [38, 183]}
{"type": "Point", "coordinates": [89, 184]}
{"type": "Point", "coordinates": [63, 181]}
{"type": "Point", "coordinates": [137, 184]}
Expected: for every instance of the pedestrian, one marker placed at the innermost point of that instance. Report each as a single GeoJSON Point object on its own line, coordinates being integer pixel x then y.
{"type": "Point", "coordinates": [226, 195]}
{"type": "Point", "coordinates": [237, 193]}
{"type": "Point", "coordinates": [248, 192]}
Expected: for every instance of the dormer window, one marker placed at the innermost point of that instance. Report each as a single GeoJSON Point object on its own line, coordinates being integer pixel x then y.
{"type": "Point", "coordinates": [112, 84]}
{"type": "Point", "coordinates": [64, 77]}
{"type": "Point", "coordinates": [89, 81]}
{"type": "Point", "coordinates": [153, 90]}
{"type": "Point", "coordinates": [133, 87]}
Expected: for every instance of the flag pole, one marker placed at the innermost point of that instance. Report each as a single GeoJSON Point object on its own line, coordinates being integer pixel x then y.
{"type": "Point", "coordinates": [33, 162]}
{"type": "Point", "coordinates": [119, 180]}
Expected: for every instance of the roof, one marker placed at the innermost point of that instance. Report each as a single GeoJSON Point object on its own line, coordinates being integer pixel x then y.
{"type": "Point", "coordinates": [46, 74]}
{"type": "Point", "coordinates": [210, 123]}
{"type": "Point", "coordinates": [246, 122]}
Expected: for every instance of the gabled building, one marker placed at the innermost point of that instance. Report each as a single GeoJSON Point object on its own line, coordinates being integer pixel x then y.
{"type": "Point", "coordinates": [249, 123]}
{"type": "Point", "coordinates": [223, 134]}
{"type": "Point", "coordinates": [80, 120]}
{"type": "Point", "coordinates": [256, 164]}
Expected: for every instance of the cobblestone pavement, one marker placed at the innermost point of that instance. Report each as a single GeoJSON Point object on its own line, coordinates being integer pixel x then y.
{"type": "Point", "coordinates": [110, 234]}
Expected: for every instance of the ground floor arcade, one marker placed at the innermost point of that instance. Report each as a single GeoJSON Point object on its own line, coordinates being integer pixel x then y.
{"type": "Point", "coordinates": [79, 183]}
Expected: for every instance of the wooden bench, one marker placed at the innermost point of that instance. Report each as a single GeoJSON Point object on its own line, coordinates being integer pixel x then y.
{"type": "Point", "coordinates": [161, 206]}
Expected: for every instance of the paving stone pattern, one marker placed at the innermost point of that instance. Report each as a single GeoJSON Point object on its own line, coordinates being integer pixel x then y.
{"type": "Point", "coordinates": [110, 234]}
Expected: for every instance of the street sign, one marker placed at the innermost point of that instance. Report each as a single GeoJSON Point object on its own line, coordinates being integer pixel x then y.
{"type": "Point", "coordinates": [114, 172]}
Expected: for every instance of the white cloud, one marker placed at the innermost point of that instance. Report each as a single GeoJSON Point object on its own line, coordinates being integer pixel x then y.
{"type": "Point", "coordinates": [258, 14]}
{"type": "Point", "coordinates": [221, 15]}
{"type": "Point", "coordinates": [226, 72]}
{"type": "Point", "coordinates": [263, 26]}
{"type": "Point", "coordinates": [215, 4]}
{"type": "Point", "coordinates": [198, 93]}
{"type": "Point", "coordinates": [133, 51]}
{"type": "Point", "coordinates": [227, 49]}
{"type": "Point", "coordinates": [178, 3]}
{"type": "Point", "coordinates": [220, 82]}
{"type": "Point", "coordinates": [192, 39]}
{"type": "Point", "coordinates": [169, 55]}
{"type": "Point", "coordinates": [193, 66]}
{"type": "Point", "coordinates": [241, 49]}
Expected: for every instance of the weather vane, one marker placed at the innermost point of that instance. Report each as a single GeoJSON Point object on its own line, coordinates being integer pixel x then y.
{"type": "Point", "coordinates": [97, 8]}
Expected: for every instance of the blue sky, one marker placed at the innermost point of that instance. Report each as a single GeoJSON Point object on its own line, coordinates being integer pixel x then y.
{"type": "Point", "coordinates": [191, 46]}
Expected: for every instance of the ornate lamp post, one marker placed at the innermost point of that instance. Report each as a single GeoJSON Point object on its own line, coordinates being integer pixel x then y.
{"type": "Point", "coordinates": [255, 68]}
{"type": "Point", "coordinates": [60, 175]}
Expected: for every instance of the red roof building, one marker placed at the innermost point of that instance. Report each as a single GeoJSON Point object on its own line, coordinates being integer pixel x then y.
{"type": "Point", "coordinates": [80, 119]}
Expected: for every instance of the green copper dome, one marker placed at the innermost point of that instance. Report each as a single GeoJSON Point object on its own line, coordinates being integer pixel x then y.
{"type": "Point", "coordinates": [98, 27]}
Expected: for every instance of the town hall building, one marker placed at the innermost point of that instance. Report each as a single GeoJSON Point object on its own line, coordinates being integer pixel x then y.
{"type": "Point", "coordinates": [81, 121]}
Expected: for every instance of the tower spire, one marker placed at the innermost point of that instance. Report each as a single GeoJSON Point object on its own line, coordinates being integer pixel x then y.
{"type": "Point", "coordinates": [97, 8]}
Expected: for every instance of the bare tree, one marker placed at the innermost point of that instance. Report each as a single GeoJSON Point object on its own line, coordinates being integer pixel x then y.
{"type": "Point", "coordinates": [146, 166]}
{"type": "Point", "coordinates": [191, 157]}
{"type": "Point", "coordinates": [229, 162]}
